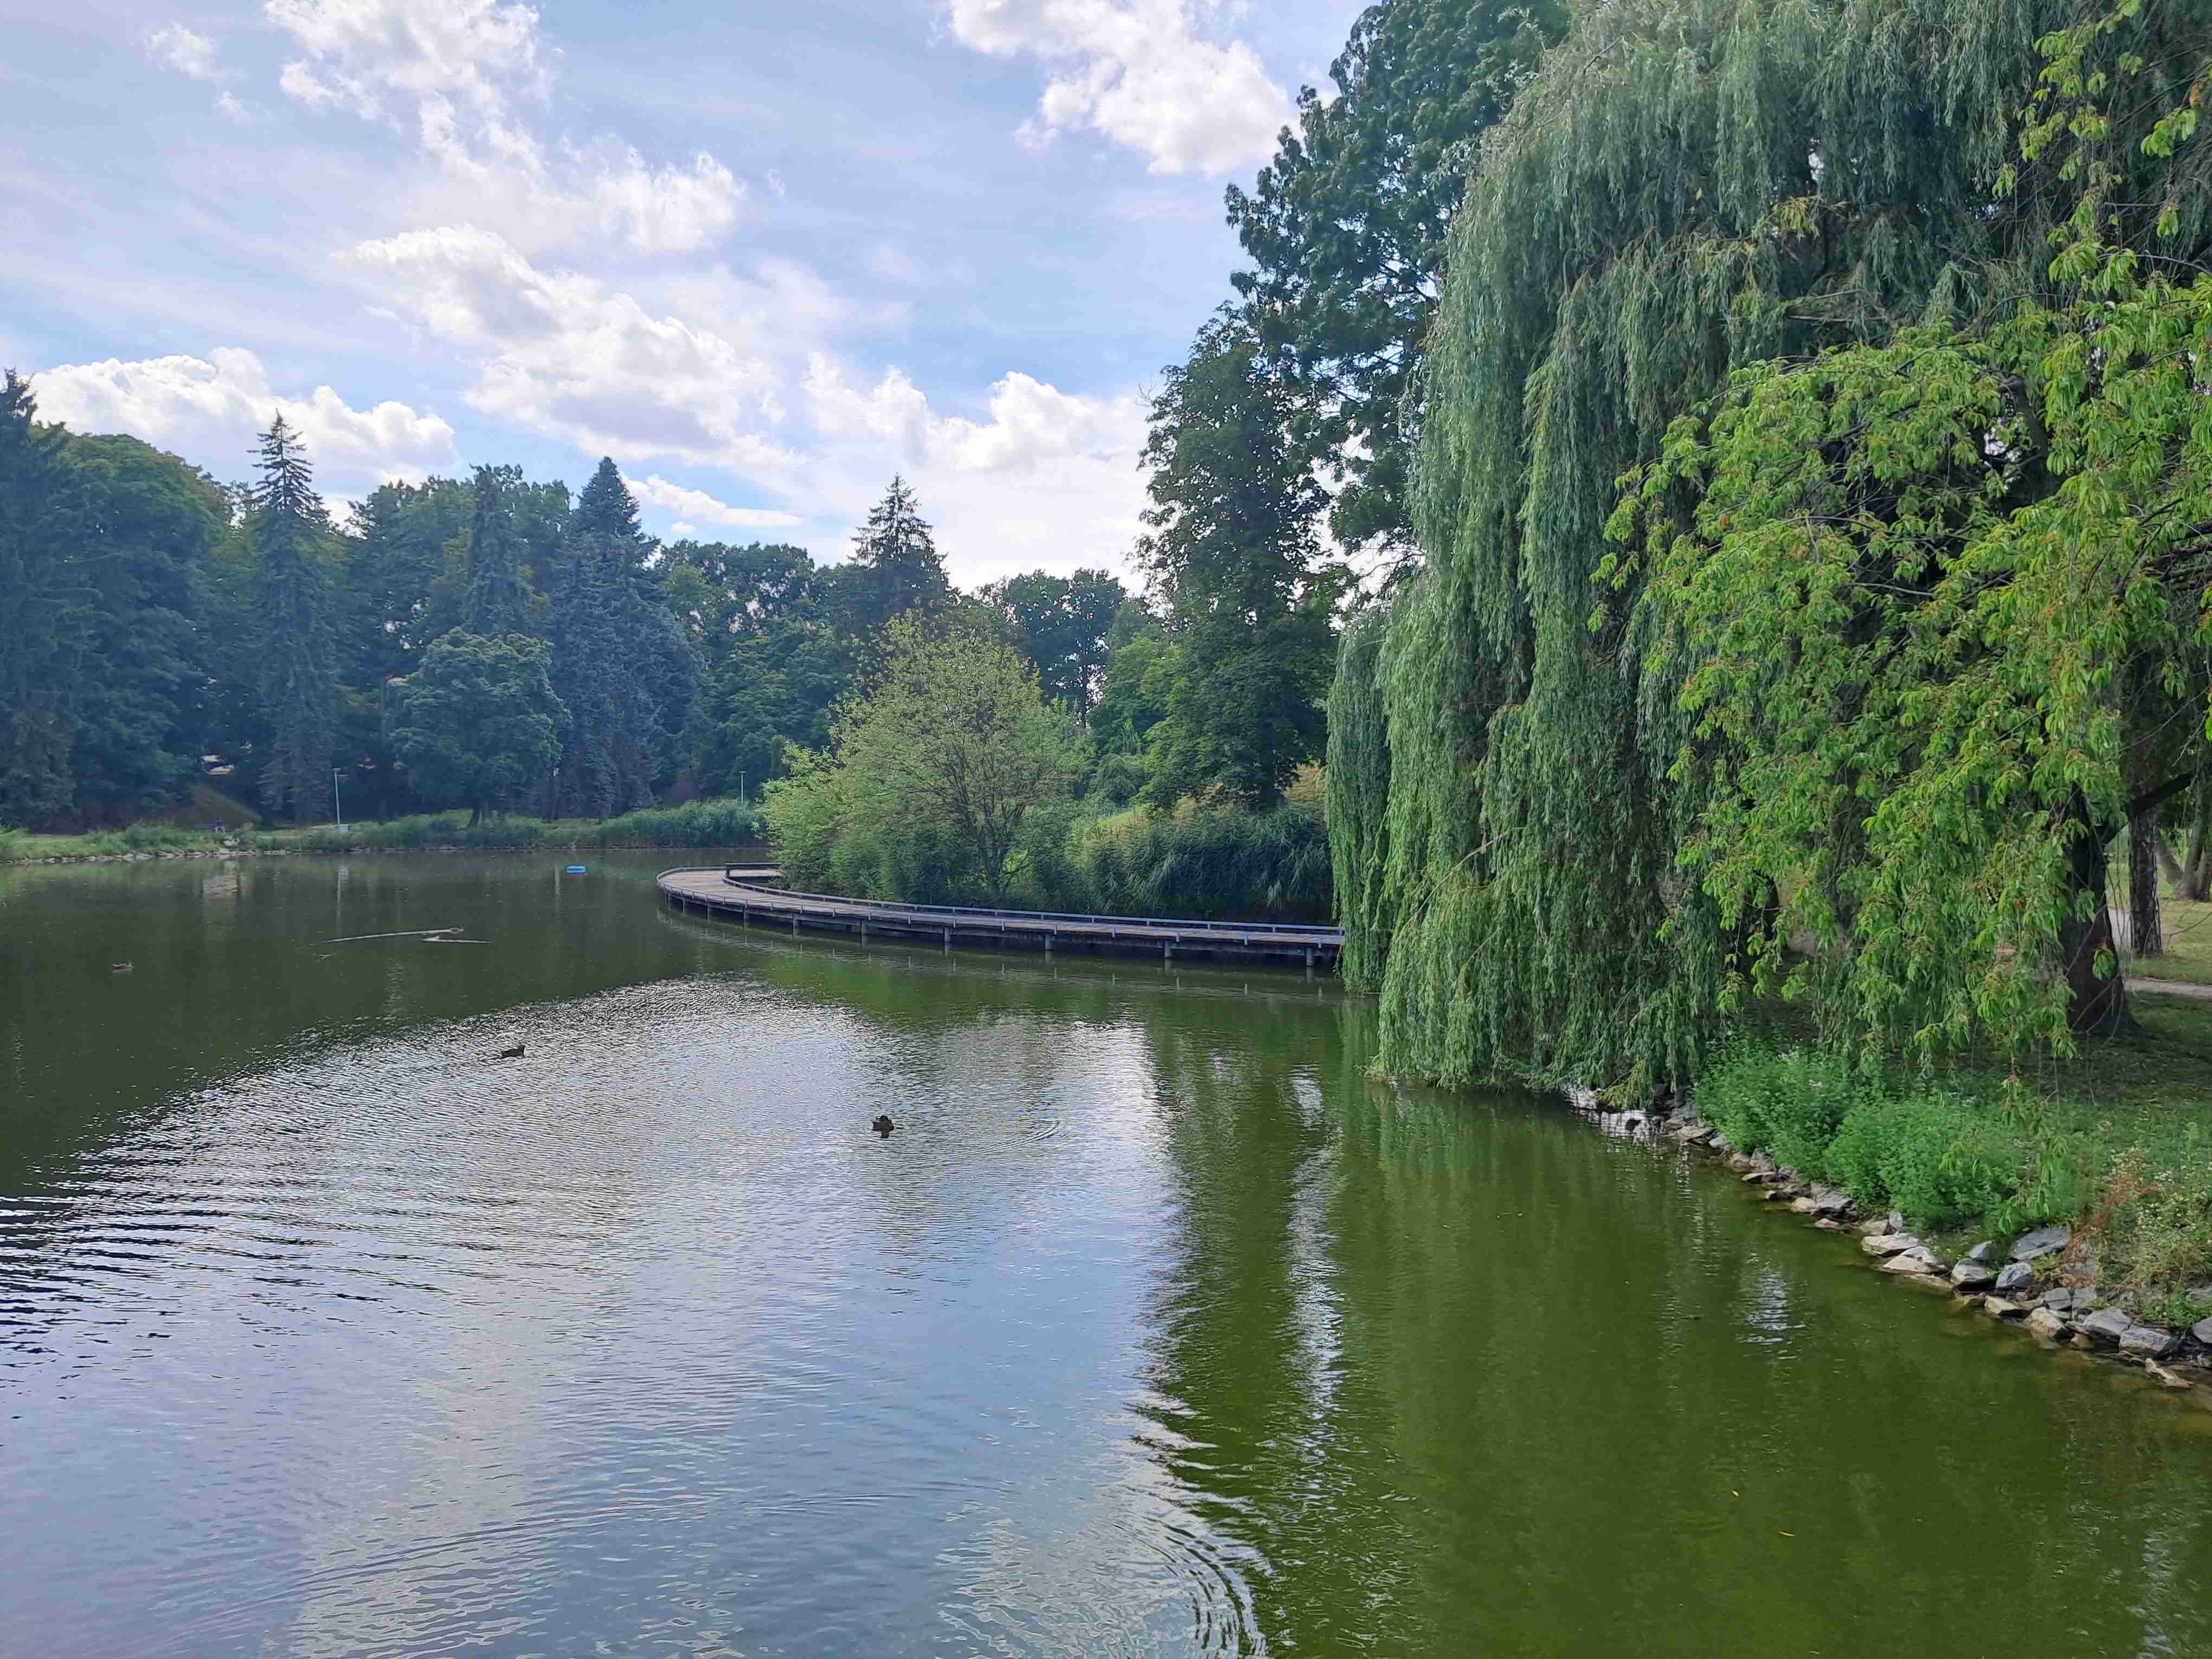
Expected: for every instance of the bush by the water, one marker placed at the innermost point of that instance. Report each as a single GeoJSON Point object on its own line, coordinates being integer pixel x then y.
{"type": "Point", "coordinates": [1218, 864]}
{"type": "Point", "coordinates": [2135, 1183]}
{"type": "Point", "coordinates": [1942, 1159]}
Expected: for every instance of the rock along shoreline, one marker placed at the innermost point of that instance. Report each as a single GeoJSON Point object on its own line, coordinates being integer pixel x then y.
{"type": "Point", "coordinates": [2044, 1280]}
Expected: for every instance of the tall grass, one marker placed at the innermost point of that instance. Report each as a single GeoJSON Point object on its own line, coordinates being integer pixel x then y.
{"type": "Point", "coordinates": [1215, 864]}
{"type": "Point", "coordinates": [729, 822]}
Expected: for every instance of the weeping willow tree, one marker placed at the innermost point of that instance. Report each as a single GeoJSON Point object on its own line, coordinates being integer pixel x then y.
{"type": "Point", "coordinates": [1684, 191]}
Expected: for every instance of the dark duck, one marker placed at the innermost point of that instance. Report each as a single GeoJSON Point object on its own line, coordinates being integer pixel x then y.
{"type": "Point", "coordinates": [883, 1125]}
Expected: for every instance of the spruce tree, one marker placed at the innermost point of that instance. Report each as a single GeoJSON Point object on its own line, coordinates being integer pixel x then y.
{"type": "Point", "coordinates": [608, 511]}
{"type": "Point", "coordinates": [298, 677]}
{"type": "Point", "coordinates": [895, 568]}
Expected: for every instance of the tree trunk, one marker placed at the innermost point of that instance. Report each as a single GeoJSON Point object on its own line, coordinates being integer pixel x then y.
{"type": "Point", "coordinates": [2190, 887]}
{"type": "Point", "coordinates": [2146, 928]}
{"type": "Point", "coordinates": [2096, 1003]}
{"type": "Point", "coordinates": [476, 814]}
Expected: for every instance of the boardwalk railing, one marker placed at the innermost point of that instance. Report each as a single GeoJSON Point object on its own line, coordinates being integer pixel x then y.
{"type": "Point", "coordinates": [1304, 929]}
{"type": "Point", "coordinates": [741, 890]}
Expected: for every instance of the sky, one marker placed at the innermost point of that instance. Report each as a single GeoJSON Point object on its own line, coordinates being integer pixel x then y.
{"type": "Point", "coordinates": [764, 255]}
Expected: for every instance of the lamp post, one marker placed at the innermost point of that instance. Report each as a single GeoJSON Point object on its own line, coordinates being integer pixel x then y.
{"type": "Point", "coordinates": [336, 811]}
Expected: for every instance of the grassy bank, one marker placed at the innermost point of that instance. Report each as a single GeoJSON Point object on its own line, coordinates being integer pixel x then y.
{"type": "Point", "coordinates": [727, 823]}
{"type": "Point", "coordinates": [2117, 1144]}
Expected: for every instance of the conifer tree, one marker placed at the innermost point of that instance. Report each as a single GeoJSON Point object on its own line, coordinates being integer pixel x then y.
{"type": "Point", "coordinates": [298, 677]}
{"type": "Point", "coordinates": [608, 511]}
{"type": "Point", "coordinates": [895, 568]}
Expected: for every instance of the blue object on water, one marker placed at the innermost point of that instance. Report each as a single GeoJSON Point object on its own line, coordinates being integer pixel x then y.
{"type": "Point", "coordinates": [575, 870]}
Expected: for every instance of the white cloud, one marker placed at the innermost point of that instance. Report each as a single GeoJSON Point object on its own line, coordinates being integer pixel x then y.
{"type": "Point", "coordinates": [208, 408]}
{"type": "Point", "coordinates": [657, 491]}
{"type": "Point", "coordinates": [229, 107]}
{"type": "Point", "coordinates": [184, 50]}
{"type": "Point", "coordinates": [731, 372]}
{"type": "Point", "coordinates": [562, 352]}
{"type": "Point", "coordinates": [1139, 72]}
{"type": "Point", "coordinates": [462, 70]}
{"type": "Point", "coordinates": [1049, 479]}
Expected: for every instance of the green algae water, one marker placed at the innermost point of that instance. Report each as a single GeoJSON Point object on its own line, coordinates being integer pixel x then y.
{"type": "Point", "coordinates": [1159, 1327]}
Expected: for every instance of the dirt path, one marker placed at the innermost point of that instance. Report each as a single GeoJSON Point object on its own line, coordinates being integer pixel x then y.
{"type": "Point", "coordinates": [2171, 987]}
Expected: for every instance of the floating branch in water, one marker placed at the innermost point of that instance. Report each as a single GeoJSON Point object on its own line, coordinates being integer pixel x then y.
{"type": "Point", "coordinates": [412, 933]}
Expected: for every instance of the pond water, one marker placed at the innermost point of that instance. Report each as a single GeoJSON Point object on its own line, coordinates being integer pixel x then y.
{"type": "Point", "coordinates": [1157, 1328]}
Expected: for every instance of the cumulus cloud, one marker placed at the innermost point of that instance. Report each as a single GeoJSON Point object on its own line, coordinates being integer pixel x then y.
{"type": "Point", "coordinates": [1138, 71]}
{"type": "Point", "coordinates": [209, 408]}
{"type": "Point", "coordinates": [564, 354]}
{"type": "Point", "coordinates": [184, 50]}
{"type": "Point", "coordinates": [732, 374]}
{"type": "Point", "coordinates": [657, 491]}
{"type": "Point", "coordinates": [1047, 478]}
{"type": "Point", "coordinates": [463, 72]}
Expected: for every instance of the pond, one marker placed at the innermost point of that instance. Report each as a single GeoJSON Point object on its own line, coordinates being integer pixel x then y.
{"type": "Point", "coordinates": [1157, 1327]}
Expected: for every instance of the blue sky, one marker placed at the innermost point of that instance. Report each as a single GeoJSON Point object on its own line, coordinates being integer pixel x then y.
{"type": "Point", "coordinates": [763, 254]}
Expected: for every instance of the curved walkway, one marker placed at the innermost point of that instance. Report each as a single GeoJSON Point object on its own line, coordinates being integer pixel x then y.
{"type": "Point", "coordinates": [744, 894]}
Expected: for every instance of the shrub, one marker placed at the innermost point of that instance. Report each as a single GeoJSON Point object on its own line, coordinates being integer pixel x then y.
{"type": "Point", "coordinates": [1789, 1102]}
{"type": "Point", "coordinates": [1938, 1158]}
{"type": "Point", "coordinates": [1213, 863]}
{"type": "Point", "coordinates": [2153, 1227]}
{"type": "Point", "coordinates": [14, 844]}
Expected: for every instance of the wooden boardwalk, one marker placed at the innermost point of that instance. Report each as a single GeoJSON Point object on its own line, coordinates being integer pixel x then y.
{"type": "Point", "coordinates": [747, 894]}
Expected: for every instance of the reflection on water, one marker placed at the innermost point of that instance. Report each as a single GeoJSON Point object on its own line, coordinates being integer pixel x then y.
{"type": "Point", "coordinates": [1159, 1327]}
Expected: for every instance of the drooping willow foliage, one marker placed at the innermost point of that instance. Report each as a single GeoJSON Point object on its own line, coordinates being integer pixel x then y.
{"type": "Point", "coordinates": [1686, 190]}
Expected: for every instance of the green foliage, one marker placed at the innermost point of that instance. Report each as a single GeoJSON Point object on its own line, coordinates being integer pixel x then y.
{"type": "Point", "coordinates": [1346, 227]}
{"type": "Point", "coordinates": [1358, 785]}
{"type": "Point", "coordinates": [1231, 545]}
{"type": "Point", "coordinates": [1061, 624]}
{"type": "Point", "coordinates": [479, 721]}
{"type": "Point", "coordinates": [1135, 697]}
{"type": "Point", "coordinates": [498, 600]}
{"type": "Point", "coordinates": [1941, 1157]}
{"type": "Point", "coordinates": [1681, 193]}
{"type": "Point", "coordinates": [930, 774]}
{"type": "Point", "coordinates": [293, 552]}
{"type": "Point", "coordinates": [895, 568]}
{"type": "Point", "coordinates": [1243, 867]}
{"type": "Point", "coordinates": [45, 612]}
{"type": "Point", "coordinates": [1936, 1156]}
{"type": "Point", "coordinates": [2155, 1224]}
{"type": "Point", "coordinates": [1789, 1101]}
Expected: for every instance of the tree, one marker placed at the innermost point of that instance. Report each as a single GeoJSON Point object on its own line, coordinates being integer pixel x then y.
{"type": "Point", "coordinates": [298, 677]}
{"type": "Point", "coordinates": [1346, 228]}
{"type": "Point", "coordinates": [479, 721]}
{"type": "Point", "coordinates": [151, 522]}
{"type": "Point", "coordinates": [607, 510]}
{"type": "Point", "coordinates": [499, 596]}
{"type": "Point", "coordinates": [1232, 549]}
{"type": "Point", "coordinates": [623, 665]}
{"type": "Point", "coordinates": [930, 775]}
{"type": "Point", "coordinates": [1681, 193]}
{"type": "Point", "coordinates": [45, 613]}
{"type": "Point", "coordinates": [895, 568]}
{"type": "Point", "coordinates": [1060, 623]}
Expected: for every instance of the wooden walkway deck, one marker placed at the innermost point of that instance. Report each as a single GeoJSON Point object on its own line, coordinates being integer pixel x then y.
{"type": "Point", "coordinates": [745, 894]}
